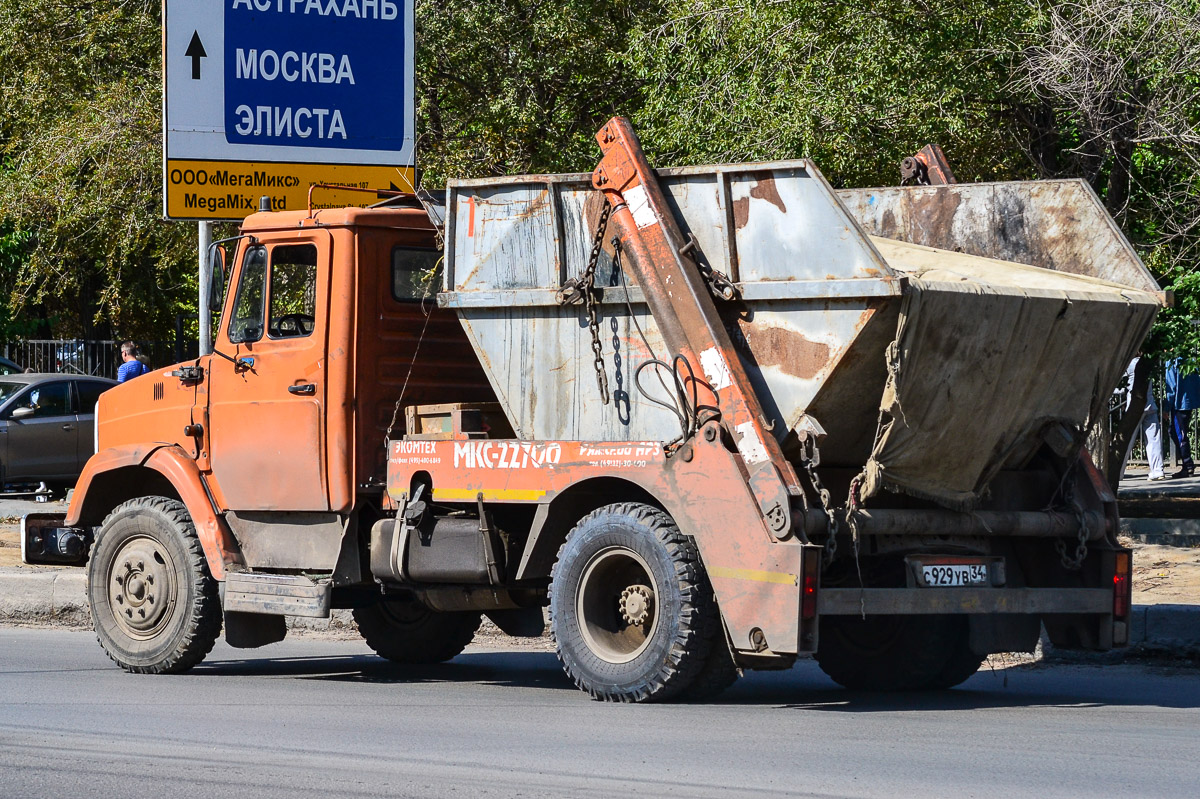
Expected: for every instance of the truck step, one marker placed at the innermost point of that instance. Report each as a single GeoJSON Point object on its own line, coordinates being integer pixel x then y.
{"type": "Point", "coordinates": [278, 594]}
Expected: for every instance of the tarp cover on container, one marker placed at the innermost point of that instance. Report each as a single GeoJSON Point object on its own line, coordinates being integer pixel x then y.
{"type": "Point", "coordinates": [986, 360]}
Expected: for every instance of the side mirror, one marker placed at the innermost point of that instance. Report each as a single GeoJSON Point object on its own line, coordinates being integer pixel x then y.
{"type": "Point", "coordinates": [22, 413]}
{"type": "Point", "coordinates": [216, 278]}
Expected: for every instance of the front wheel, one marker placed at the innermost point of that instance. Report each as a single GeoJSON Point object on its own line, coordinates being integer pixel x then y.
{"type": "Point", "coordinates": [632, 612]}
{"type": "Point", "coordinates": [155, 607]}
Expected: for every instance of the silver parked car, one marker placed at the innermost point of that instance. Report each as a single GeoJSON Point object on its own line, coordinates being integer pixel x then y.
{"type": "Point", "coordinates": [46, 426]}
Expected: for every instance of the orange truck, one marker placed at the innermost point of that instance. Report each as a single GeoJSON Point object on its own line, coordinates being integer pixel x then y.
{"type": "Point", "coordinates": [715, 418]}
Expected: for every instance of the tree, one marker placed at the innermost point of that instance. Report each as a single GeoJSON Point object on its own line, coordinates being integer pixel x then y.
{"type": "Point", "coordinates": [1109, 90]}
{"type": "Point", "coordinates": [856, 88]}
{"type": "Point", "coordinates": [518, 86]}
{"type": "Point", "coordinates": [80, 133]}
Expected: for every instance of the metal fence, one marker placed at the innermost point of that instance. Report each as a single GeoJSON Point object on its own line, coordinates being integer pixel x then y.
{"type": "Point", "coordinates": [98, 358]}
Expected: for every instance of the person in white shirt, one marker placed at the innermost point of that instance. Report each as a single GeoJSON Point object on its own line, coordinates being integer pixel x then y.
{"type": "Point", "coordinates": [1148, 426]}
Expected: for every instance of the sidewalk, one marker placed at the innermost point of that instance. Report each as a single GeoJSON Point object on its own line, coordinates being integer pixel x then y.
{"type": "Point", "coordinates": [1161, 512]}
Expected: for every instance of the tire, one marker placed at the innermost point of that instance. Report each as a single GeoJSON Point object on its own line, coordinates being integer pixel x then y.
{"type": "Point", "coordinates": [962, 663]}
{"type": "Point", "coordinates": [155, 607]}
{"type": "Point", "coordinates": [887, 653]}
{"type": "Point", "coordinates": [630, 560]}
{"type": "Point", "coordinates": [718, 673]}
{"type": "Point", "coordinates": [405, 631]}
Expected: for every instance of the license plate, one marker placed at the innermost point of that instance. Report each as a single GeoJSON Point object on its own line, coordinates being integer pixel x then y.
{"type": "Point", "coordinates": [954, 574]}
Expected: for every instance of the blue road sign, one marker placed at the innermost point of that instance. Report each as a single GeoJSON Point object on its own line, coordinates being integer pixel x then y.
{"type": "Point", "coordinates": [329, 79]}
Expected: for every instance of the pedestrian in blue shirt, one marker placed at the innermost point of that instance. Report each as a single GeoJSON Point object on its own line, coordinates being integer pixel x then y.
{"type": "Point", "coordinates": [1183, 396]}
{"type": "Point", "coordinates": [132, 366]}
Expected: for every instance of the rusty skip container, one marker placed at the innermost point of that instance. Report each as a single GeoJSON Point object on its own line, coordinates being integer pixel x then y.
{"type": "Point", "coordinates": [935, 334]}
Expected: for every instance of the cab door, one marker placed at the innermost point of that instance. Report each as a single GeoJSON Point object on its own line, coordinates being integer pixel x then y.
{"type": "Point", "coordinates": [266, 380]}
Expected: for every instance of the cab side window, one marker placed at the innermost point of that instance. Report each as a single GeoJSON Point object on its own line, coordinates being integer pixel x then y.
{"type": "Point", "coordinates": [246, 321]}
{"type": "Point", "coordinates": [293, 291]}
{"type": "Point", "coordinates": [416, 273]}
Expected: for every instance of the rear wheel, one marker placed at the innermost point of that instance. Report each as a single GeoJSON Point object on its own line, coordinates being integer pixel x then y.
{"type": "Point", "coordinates": [963, 661]}
{"type": "Point", "coordinates": [718, 673]}
{"type": "Point", "coordinates": [155, 607]}
{"type": "Point", "coordinates": [889, 653]}
{"type": "Point", "coordinates": [405, 631]}
{"type": "Point", "coordinates": [632, 612]}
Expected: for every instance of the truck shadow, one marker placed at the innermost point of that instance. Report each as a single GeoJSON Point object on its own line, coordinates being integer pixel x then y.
{"type": "Point", "coordinates": [508, 669]}
{"type": "Point", "coordinates": [1060, 685]}
{"type": "Point", "coordinates": [804, 687]}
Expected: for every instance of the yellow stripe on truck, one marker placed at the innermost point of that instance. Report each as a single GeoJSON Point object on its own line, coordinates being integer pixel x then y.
{"type": "Point", "coordinates": [754, 575]}
{"type": "Point", "coordinates": [489, 494]}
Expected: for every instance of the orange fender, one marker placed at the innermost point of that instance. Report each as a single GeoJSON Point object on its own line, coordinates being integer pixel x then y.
{"type": "Point", "coordinates": [179, 469]}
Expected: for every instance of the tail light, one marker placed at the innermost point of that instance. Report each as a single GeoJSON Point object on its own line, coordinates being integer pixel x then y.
{"type": "Point", "coordinates": [810, 580]}
{"type": "Point", "coordinates": [1122, 589]}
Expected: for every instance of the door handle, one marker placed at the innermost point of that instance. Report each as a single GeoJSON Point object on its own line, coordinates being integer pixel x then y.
{"type": "Point", "coordinates": [307, 389]}
{"type": "Point", "coordinates": [68, 427]}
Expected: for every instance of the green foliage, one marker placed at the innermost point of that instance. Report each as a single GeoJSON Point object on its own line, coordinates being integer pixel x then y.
{"type": "Point", "coordinates": [1102, 89]}
{"type": "Point", "coordinates": [80, 129]}
{"type": "Point", "coordinates": [13, 247]}
{"type": "Point", "coordinates": [856, 88]}
{"type": "Point", "coordinates": [514, 86]}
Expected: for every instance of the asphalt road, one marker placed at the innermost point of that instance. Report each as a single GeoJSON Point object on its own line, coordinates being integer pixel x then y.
{"type": "Point", "coordinates": [309, 717]}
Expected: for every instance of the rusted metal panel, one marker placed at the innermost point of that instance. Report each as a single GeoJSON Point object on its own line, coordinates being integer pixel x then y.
{"type": "Point", "coordinates": [754, 222]}
{"type": "Point", "coordinates": [789, 226]}
{"type": "Point", "coordinates": [769, 223]}
{"type": "Point", "coordinates": [1053, 224]}
{"type": "Point", "coordinates": [1033, 351]}
{"type": "Point", "coordinates": [287, 540]}
{"type": "Point", "coordinates": [821, 302]}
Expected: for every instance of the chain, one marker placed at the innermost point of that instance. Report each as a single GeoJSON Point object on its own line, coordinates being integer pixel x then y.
{"type": "Point", "coordinates": [1075, 562]}
{"type": "Point", "coordinates": [584, 289]}
{"type": "Point", "coordinates": [718, 282]}
{"type": "Point", "coordinates": [827, 506]}
{"type": "Point", "coordinates": [1066, 489]}
{"type": "Point", "coordinates": [810, 457]}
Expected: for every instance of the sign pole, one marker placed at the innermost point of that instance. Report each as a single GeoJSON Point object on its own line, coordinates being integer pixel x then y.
{"type": "Point", "coordinates": [205, 239]}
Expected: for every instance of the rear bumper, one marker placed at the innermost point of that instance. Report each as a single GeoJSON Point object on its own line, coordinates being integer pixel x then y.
{"type": "Point", "coordinates": [919, 601]}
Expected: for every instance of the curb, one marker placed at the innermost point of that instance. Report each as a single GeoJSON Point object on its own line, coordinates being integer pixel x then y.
{"type": "Point", "coordinates": [1164, 532]}
{"type": "Point", "coordinates": [1172, 628]}
{"type": "Point", "coordinates": [28, 595]}
{"type": "Point", "coordinates": [37, 595]}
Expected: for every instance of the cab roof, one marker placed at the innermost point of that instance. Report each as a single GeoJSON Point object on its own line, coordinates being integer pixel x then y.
{"type": "Point", "coordinates": [384, 216]}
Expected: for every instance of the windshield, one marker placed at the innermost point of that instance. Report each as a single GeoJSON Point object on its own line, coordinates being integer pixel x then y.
{"type": "Point", "coordinates": [8, 389]}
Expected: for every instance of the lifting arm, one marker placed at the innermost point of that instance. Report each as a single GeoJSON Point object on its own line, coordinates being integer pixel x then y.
{"type": "Point", "coordinates": [679, 299]}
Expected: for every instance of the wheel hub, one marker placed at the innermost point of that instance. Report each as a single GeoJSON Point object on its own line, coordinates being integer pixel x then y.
{"type": "Point", "coordinates": [141, 587]}
{"type": "Point", "coordinates": [615, 604]}
{"type": "Point", "coordinates": [636, 603]}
